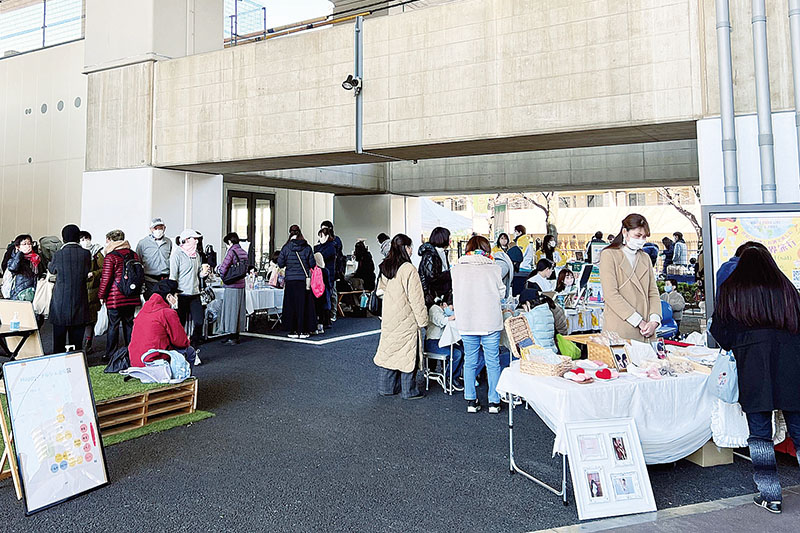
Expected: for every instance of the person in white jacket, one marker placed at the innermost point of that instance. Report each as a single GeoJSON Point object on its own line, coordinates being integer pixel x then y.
{"type": "Point", "coordinates": [477, 290]}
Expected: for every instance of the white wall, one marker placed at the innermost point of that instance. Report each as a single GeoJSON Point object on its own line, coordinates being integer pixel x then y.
{"type": "Point", "coordinates": [43, 195]}
{"type": "Point", "coordinates": [709, 155]}
{"type": "Point", "coordinates": [129, 199]}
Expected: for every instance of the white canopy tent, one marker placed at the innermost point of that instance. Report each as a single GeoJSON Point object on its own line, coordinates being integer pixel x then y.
{"type": "Point", "coordinates": [434, 215]}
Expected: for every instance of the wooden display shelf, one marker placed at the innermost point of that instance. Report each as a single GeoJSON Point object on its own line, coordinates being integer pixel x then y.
{"type": "Point", "coordinates": [137, 410]}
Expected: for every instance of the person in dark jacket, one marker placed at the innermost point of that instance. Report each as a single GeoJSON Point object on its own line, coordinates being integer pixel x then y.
{"type": "Point", "coordinates": [434, 267]}
{"type": "Point", "coordinates": [365, 272]}
{"type": "Point", "coordinates": [669, 251]}
{"type": "Point", "coordinates": [157, 326]}
{"type": "Point", "coordinates": [69, 307]}
{"type": "Point", "coordinates": [24, 265]}
{"type": "Point", "coordinates": [651, 249]}
{"type": "Point", "coordinates": [323, 303]}
{"type": "Point", "coordinates": [327, 247]}
{"type": "Point", "coordinates": [234, 312]}
{"type": "Point", "coordinates": [757, 316]}
{"type": "Point", "coordinates": [338, 267]}
{"type": "Point", "coordinates": [299, 313]}
{"type": "Point", "coordinates": [92, 285]}
{"type": "Point", "coordinates": [120, 308]}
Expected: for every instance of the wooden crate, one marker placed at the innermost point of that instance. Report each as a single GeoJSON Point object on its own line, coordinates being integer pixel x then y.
{"type": "Point", "coordinates": [136, 410]}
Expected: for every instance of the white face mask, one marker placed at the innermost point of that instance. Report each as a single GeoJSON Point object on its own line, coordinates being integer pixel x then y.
{"type": "Point", "coordinates": [158, 234]}
{"type": "Point", "coordinates": [86, 244]}
{"type": "Point", "coordinates": [635, 244]}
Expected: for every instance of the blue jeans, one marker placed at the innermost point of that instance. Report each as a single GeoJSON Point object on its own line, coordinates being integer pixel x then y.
{"type": "Point", "coordinates": [432, 345]}
{"type": "Point", "coordinates": [472, 345]}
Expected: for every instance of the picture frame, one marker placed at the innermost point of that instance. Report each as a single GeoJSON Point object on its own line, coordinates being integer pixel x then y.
{"type": "Point", "coordinates": [607, 467]}
{"type": "Point", "coordinates": [621, 359]}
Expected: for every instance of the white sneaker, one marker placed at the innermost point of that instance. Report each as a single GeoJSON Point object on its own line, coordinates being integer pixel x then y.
{"type": "Point", "coordinates": [304, 335]}
{"type": "Point", "coordinates": [197, 361]}
{"type": "Point", "coordinates": [294, 336]}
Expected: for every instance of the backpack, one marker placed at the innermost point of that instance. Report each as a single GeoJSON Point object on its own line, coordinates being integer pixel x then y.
{"type": "Point", "coordinates": [317, 283]}
{"type": "Point", "coordinates": [236, 271]}
{"type": "Point", "coordinates": [132, 275]}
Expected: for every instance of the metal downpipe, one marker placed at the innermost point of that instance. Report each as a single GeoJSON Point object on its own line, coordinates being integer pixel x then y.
{"type": "Point", "coordinates": [794, 32]}
{"type": "Point", "coordinates": [729, 165]}
{"type": "Point", "coordinates": [763, 103]}
{"type": "Point", "coordinates": [359, 74]}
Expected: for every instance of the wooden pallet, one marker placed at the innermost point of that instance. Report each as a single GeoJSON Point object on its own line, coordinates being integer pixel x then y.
{"type": "Point", "coordinates": [136, 410]}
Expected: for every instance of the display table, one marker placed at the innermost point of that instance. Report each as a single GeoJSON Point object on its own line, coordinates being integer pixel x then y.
{"type": "Point", "coordinates": [673, 415]}
{"type": "Point", "coordinates": [268, 299]}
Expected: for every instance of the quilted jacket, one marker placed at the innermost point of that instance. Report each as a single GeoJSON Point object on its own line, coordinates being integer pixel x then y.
{"type": "Point", "coordinates": [404, 312]}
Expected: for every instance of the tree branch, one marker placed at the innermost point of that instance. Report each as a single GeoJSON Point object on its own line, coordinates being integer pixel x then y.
{"type": "Point", "coordinates": [667, 194]}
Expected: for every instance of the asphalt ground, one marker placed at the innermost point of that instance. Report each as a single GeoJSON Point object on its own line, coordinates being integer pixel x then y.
{"type": "Point", "coordinates": [303, 442]}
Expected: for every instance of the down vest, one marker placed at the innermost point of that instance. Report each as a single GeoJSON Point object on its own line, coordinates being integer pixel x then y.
{"type": "Point", "coordinates": [404, 312]}
{"type": "Point", "coordinates": [112, 274]}
{"type": "Point", "coordinates": [542, 324]}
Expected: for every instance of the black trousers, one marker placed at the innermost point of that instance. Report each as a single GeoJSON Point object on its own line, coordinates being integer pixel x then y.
{"type": "Point", "coordinates": [192, 307]}
{"type": "Point", "coordinates": [60, 334]}
{"type": "Point", "coordinates": [121, 316]}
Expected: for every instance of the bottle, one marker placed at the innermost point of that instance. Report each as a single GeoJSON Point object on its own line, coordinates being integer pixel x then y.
{"type": "Point", "coordinates": [14, 325]}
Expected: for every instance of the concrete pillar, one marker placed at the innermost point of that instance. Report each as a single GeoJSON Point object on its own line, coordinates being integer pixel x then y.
{"type": "Point", "coordinates": [128, 199]}
{"type": "Point", "coordinates": [363, 217]}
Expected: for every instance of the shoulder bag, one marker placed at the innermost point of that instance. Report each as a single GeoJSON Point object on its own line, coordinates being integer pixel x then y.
{"type": "Point", "coordinates": [308, 278]}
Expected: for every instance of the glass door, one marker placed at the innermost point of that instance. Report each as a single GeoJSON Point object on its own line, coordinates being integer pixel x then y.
{"type": "Point", "coordinates": [252, 216]}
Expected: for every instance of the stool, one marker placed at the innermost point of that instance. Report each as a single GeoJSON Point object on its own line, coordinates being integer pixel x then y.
{"type": "Point", "coordinates": [445, 379]}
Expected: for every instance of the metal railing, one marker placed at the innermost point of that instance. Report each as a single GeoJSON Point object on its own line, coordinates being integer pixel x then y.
{"type": "Point", "coordinates": [34, 24]}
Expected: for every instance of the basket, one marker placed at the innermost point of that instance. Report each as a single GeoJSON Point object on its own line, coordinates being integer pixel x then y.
{"type": "Point", "coordinates": [600, 352]}
{"type": "Point", "coordinates": [538, 368]}
{"type": "Point", "coordinates": [517, 329]}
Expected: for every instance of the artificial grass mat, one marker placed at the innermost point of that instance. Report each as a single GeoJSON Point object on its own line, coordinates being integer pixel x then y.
{"type": "Point", "coordinates": [108, 386]}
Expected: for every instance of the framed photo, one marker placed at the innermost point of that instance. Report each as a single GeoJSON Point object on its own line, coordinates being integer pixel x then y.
{"type": "Point", "coordinates": [607, 467]}
{"type": "Point", "coordinates": [621, 360]}
{"type": "Point", "coordinates": [596, 484]}
{"type": "Point", "coordinates": [591, 447]}
{"type": "Point", "coordinates": [661, 348]}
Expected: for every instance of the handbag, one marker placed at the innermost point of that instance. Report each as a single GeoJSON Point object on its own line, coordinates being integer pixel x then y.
{"type": "Point", "coordinates": [236, 271]}
{"type": "Point", "coordinates": [308, 278]}
{"type": "Point", "coordinates": [723, 382]}
{"type": "Point", "coordinates": [375, 306]}
{"type": "Point", "coordinates": [207, 296]}
{"type": "Point", "coordinates": [41, 300]}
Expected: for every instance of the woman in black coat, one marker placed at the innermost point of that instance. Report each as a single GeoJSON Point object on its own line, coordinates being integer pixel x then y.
{"type": "Point", "coordinates": [299, 312]}
{"type": "Point", "coordinates": [69, 308]}
{"type": "Point", "coordinates": [434, 267]}
{"type": "Point", "coordinates": [757, 316]}
{"type": "Point", "coordinates": [366, 266]}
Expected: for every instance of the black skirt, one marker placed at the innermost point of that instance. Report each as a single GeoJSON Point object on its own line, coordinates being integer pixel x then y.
{"type": "Point", "coordinates": [299, 311]}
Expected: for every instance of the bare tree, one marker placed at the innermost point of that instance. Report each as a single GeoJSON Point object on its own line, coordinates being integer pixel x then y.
{"type": "Point", "coordinates": [545, 206]}
{"type": "Point", "coordinates": [671, 199]}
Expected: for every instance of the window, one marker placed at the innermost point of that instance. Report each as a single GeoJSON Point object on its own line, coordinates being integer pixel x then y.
{"type": "Point", "coordinates": [459, 204]}
{"type": "Point", "coordinates": [636, 198]}
{"type": "Point", "coordinates": [566, 201]}
{"type": "Point", "coordinates": [595, 200]}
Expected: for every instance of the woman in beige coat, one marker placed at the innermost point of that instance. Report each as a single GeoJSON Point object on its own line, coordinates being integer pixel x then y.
{"type": "Point", "coordinates": [404, 312]}
{"type": "Point", "coordinates": [633, 306]}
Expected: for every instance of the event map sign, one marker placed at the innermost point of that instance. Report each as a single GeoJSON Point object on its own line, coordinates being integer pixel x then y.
{"type": "Point", "coordinates": [778, 231]}
{"type": "Point", "coordinates": [55, 429]}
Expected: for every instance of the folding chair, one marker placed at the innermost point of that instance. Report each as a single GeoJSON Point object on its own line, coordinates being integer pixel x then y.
{"type": "Point", "coordinates": [443, 378]}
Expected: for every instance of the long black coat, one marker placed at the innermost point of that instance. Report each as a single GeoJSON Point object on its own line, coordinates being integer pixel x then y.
{"type": "Point", "coordinates": [70, 303]}
{"type": "Point", "coordinates": [768, 364]}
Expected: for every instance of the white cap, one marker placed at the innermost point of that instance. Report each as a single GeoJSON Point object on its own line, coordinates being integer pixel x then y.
{"type": "Point", "coordinates": [188, 234]}
{"type": "Point", "coordinates": [158, 221]}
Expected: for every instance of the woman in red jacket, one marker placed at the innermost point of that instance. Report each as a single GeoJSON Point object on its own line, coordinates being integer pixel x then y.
{"type": "Point", "coordinates": [157, 326]}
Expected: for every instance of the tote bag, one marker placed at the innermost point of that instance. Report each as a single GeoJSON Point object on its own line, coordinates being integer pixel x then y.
{"type": "Point", "coordinates": [723, 382]}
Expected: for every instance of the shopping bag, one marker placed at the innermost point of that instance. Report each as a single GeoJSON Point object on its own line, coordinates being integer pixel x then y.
{"type": "Point", "coordinates": [273, 279]}
{"type": "Point", "coordinates": [7, 284]}
{"type": "Point", "coordinates": [723, 382]}
{"type": "Point", "coordinates": [41, 300]}
{"type": "Point", "coordinates": [317, 283]}
{"type": "Point", "coordinates": [101, 325]}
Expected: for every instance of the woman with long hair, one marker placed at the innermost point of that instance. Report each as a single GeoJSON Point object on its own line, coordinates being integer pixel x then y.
{"type": "Point", "coordinates": [565, 283]}
{"type": "Point", "coordinates": [434, 266]}
{"type": "Point", "coordinates": [299, 312]}
{"type": "Point", "coordinates": [503, 243]}
{"type": "Point", "coordinates": [477, 290]}
{"type": "Point", "coordinates": [365, 271]}
{"type": "Point", "coordinates": [549, 251]}
{"type": "Point", "coordinates": [757, 316]}
{"type": "Point", "coordinates": [404, 312]}
{"type": "Point", "coordinates": [633, 305]}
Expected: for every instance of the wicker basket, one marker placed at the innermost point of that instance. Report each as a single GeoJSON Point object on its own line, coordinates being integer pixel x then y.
{"type": "Point", "coordinates": [600, 352]}
{"type": "Point", "coordinates": [537, 368]}
{"type": "Point", "coordinates": [517, 330]}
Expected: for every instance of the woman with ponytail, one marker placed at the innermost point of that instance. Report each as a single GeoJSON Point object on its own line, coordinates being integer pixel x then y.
{"type": "Point", "coordinates": [633, 306]}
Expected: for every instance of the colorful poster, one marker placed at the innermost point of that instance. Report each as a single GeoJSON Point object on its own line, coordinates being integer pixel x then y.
{"type": "Point", "coordinates": [55, 428]}
{"type": "Point", "coordinates": [779, 232]}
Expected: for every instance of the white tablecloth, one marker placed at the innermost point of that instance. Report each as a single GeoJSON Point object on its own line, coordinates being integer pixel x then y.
{"type": "Point", "coordinates": [673, 415]}
{"type": "Point", "coordinates": [265, 299]}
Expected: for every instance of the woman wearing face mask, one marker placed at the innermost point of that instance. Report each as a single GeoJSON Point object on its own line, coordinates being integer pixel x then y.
{"type": "Point", "coordinates": [327, 247]}
{"type": "Point", "coordinates": [186, 267]}
{"type": "Point", "coordinates": [549, 252]}
{"type": "Point", "coordinates": [24, 269]}
{"type": "Point", "coordinates": [565, 283]}
{"type": "Point", "coordinates": [157, 326]}
{"type": "Point", "coordinates": [633, 307]}
{"type": "Point", "coordinates": [674, 299]}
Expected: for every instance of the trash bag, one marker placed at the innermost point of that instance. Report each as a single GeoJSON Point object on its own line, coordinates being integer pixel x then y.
{"type": "Point", "coordinates": [102, 321]}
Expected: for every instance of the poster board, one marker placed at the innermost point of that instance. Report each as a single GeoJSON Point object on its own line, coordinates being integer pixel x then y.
{"type": "Point", "coordinates": [56, 433]}
{"type": "Point", "coordinates": [609, 475]}
{"type": "Point", "coordinates": [726, 227]}
{"type": "Point", "coordinates": [596, 248]}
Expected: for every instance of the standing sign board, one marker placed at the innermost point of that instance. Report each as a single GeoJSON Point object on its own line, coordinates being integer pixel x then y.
{"type": "Point", "coordinates": [56, 434]}
{"type": "Point", "coordinates": [608, 471]}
